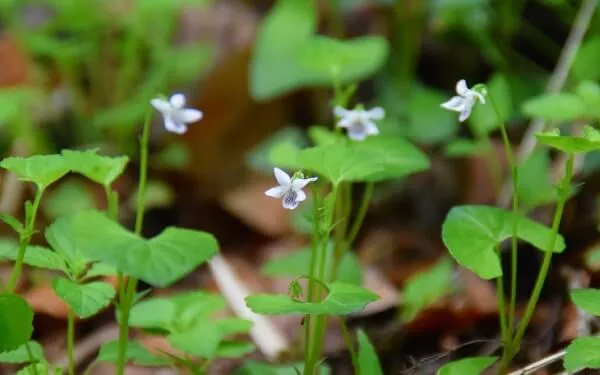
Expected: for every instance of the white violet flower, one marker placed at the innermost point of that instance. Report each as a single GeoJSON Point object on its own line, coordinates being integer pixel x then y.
{"type": "Point", "coordinates": [175, 116]}
{"type": "Point", "coordinates": [465, 101]}
{"type": "Point", "coordinates": [289, 189]}
{"type": "Point", "coordinates": [360, 123]}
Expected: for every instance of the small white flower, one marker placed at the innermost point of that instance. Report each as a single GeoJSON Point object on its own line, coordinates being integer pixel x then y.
{"type": "Point", "coordinates": [465, 100]}
{"type": "Point", "coordinates": [176, 117]}
{"type": "Point", "coordinates": [289, 189]}
{"type": "Point", "coordinates": [359, 122]}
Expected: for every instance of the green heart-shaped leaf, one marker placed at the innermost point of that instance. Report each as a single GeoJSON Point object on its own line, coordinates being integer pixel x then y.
{"type": "Point", "coordinates": [16, 322]}
{"type": "Point", "coordinates": [426, 288]}
{"type": "Point", "coordinates": [297, 264]}
{"type": "Point", "coordinates": [135, 353]}
{"type": "Point", "coordinates": [368, 363]}
{"type": "Point", "coordinates": [85, 299]}
{"type": "Point", "coordinates": [37, 256]}
{"type": "Point", "coordinates": [326, 60]}
{"type": "Point", "coordinates": [555, 107]}
{"type": "Point", "coordinates": [374, 159]}
{"type": "Point", "coordinates": [287, 26]}
{"type": "Point", "coordinates": [159, 261]}
{"type": "Point", "coordinates": [21, 354]}
{"type": "Point", "coordinates": [342, 299]}
{"type": "Point", "coordinates": [583, 352]}
{"type": "Point", "coordinates": [42, 170]}
{"type": "Point", "coordinates": [587, 299]}
{"type": "Point", "coordinates": [234, 349]}
{"type": "Point", "coordinates": [176, 311]}
{"type": "Point", "coordinates": [472, 234]}
{"type": "Point", "coordinates": [396, 157]}
{"type": "Point", "coordinates": [589, 142]}
{"type": "Point", "coordinates": [288, 55]}
{"type": "Point", "coordinates": [101, 169]}
{"type": "Point", "coordinates": [202, 340]}
{"type": "Point", "coordinates": [467, 366]}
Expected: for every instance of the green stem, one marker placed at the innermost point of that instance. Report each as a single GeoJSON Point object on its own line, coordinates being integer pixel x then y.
{"type": "Point", "coordinates": [129, 291]}
{"type": "Point", "coordinates": [515, 212]}
{"type": "Point", "coordinates": [505, 333]}
{"type": "Point", "coordinates": [362, 212]}
{"type": "Point", "coordinates": [71, 342]}
{"type": "Point", "coordinates": [317, 323]}
{"type": "Point", "coordinates": [24, 239]}
{"type": "Point", "coordinates": [32, 359]}
{"type": "Point", "coordinates": [539, 283]}
{"type": "Point", "coordinates": [350, 345]}
{"type": "Point", "coordinates": [341, 220]}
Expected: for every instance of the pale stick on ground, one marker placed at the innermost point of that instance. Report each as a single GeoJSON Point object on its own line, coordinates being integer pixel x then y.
{"type": "Point", "coordinates": [264, 334]}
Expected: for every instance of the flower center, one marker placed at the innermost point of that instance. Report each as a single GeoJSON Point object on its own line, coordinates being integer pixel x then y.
{"type": "Point", "coordinates": [290, 198]}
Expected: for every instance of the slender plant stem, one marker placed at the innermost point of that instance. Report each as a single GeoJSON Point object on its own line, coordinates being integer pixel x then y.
{"type": "Point", "coordinates": [32, 359]}
{"type": "Point", "coordinates": [317, 331]}
{"type": "Point", "coordinates": [539, 283]}
{"type": "Point", "coordinates": [515, 212]}
{"type": "Point", "coordinates": [128, 292]}
{"type": "Point", "coordinates": [24, 239]}
{"type": "Point", "coordinates": [504, 332]}
{"type": "Point", "coordinates": [312, 271]}
{"type": "Point", "coordinates": [362, 212]}
{"type": "Point", "coordinates": [350, 345]}
{"type": "Point", "coordinates": [71, 342]}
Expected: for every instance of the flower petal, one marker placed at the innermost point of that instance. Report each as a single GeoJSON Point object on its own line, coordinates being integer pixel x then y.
{"type": "Point", "coordinates": [174, 126]}
{"type": "Point", "coordinates": [300, 183]}
{"type": "Point", "coordinates": [177, 101]}
{"type": "Point", "coordinates": [465, 113]}
{"type": "Point", "coordinates": [357, 133]}
{"type": "Point", "coordinates": [189, 115]}
{"type": "Point", "coordinates": [289, 200]}
{"type": "Point", "coordinates": [371, 128]}
{"type": "Point", "coordinates": [161, 105]}
{"type": "Point", "coordinates": [376, 113]}
{"type": "Point", "coordinates": [340, 111]}
{"type": "Point", "coordinates": [456, 103]}
{"type": "Point", "coordinates": [461, 87]}
{"type": "Point", "coordinates": [276, 192]}
{"type": "Point", "coordinates": [282, 178]}
{"type": "Point", "coordinates": [300, 196]}
{"type": "Point", "coordinates": [345, 122]}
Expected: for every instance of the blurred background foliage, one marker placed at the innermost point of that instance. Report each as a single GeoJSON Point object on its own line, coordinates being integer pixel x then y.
{"type": "Point", "coordinates": [80, 73]}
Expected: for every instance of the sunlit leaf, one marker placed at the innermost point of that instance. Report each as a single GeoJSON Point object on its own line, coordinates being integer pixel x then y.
{"type": "Point", "coordinates": [472, 234]}
{"type": "Point", "coordinates": [342, 299]}
{"type": "Point", "coordinates": [426, 288]}
{"type": "Point", "coordinates": [85, 299]}
{"type": "Point", "coordinates": [159, 261]}
{"type": "Point", "coordinates": [135, 353]}
{"type": "Point", "coordinates": [590, 141]}
{"type": "Point", "coordinates": [180, 310]}
{"type": "Point", "coordinates": [297, 264]}
{"type": "Point", "coordinates": [555, 107]}
{"type": "Point", "coordinates": [21, 355]}
{"type": "Point", "coordinates": [368, 363]}
{"type": "Point", "coordinates": [467, 366]}
{"type": "Point", "coordinates": [101, 169]}
{"type": "Point", "coordinates": [583, 352]}
{"type": "Point", "coordinates": [42, 170]}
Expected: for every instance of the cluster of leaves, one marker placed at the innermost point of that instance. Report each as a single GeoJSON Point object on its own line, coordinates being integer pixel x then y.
{"type": "Point", "coordinates": [87, 245]}
{"type": "Point", "coordinates": [78, 40]}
